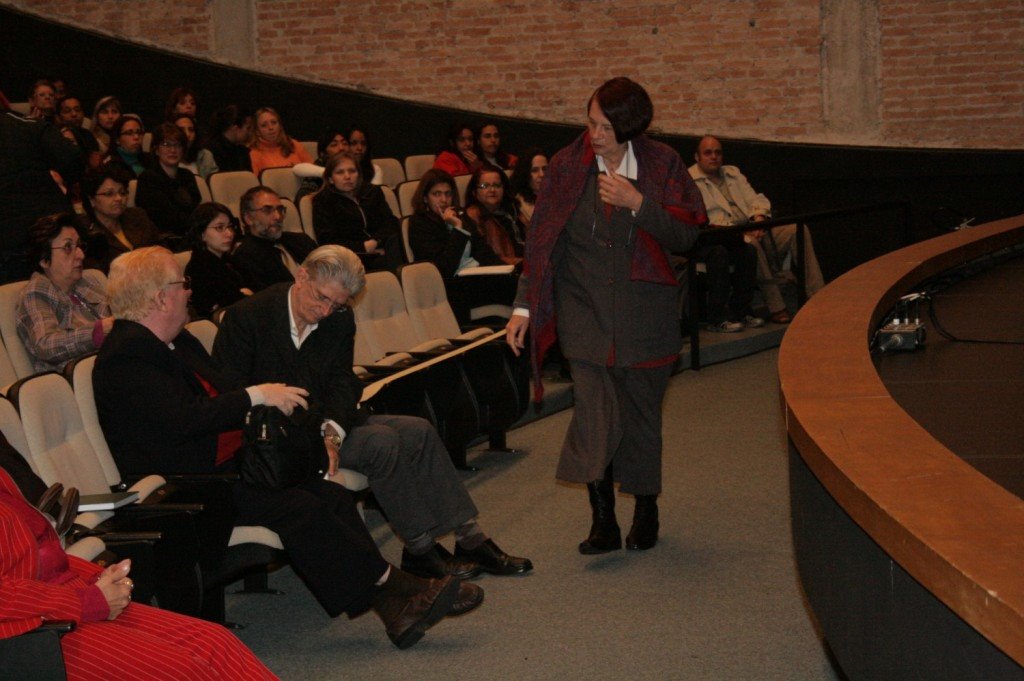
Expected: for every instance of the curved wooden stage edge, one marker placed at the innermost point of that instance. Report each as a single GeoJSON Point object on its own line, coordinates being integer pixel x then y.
{"type": "Point", "coordinates": [912, 561]}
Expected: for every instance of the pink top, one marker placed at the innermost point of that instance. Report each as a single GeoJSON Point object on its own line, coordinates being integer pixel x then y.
{"type": "Point", "coordinates": [266, 155]}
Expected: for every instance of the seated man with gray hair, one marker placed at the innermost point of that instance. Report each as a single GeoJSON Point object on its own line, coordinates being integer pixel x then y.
{"type": "Point", "coordinates": [303, 334]}
{"type": "Point", "coordinates": [166, 408]}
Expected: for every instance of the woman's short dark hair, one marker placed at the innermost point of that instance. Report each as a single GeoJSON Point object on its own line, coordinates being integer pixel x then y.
{"type": "Point", "coordinates": [42, 233]}
{"type": "Point", "coordinates": [502, 156]}
{"type": "Point", "coordinates": [627, 106]}
{"type": "Point", "coordinates": [366, 164]}
{"type": "Point", "coordinates": [507, 200]}
{"type": "Point", "coordinates": [201, 217]}
{"type": "Point", "coordinates": [521, 175]}
{"type": "Point", "coordinates": [454, 130]}
{"type": "Point", "coordinates": [332, 164]}
{"type": "Point", "coordinates": [93, 179]}
{"type": "Point", "coordinates": [168, 132]}
{"type": "Point", "coordinates": [223, 119]}
{"type": "Point", "coordinates": [325, 139]}
{"type": "Point", "coordinates": [178, 94]}
{"type": "Point", "coordinates": [430, 179]}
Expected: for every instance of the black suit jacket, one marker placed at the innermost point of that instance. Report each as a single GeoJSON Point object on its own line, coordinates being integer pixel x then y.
{"type": "Point", "coordinates": [254, 345]}
{"type": "Point", "coordinates": [259, 261]}
{"type": "Point", "coordinates": [155, 414]}
{"type": "Point", "coordinates": [216, 282]}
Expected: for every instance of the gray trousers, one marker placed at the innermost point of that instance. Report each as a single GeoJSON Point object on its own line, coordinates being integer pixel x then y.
{"type": "Point", "coordinates": [769, 257]}
{"type": "Point", "coordinates": [617, 420]}
{"type": "Point", "coordinates": [410, 473]}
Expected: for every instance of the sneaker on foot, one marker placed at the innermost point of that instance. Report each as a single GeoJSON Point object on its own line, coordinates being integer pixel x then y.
{"type": "Point", "coordinates": [726, 327]}
{"type": "Point", "coordinates": [753, 322]}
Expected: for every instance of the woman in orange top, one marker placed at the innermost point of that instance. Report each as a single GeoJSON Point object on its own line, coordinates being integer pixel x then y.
{"type": "Point", "coordinates": [271, 146]}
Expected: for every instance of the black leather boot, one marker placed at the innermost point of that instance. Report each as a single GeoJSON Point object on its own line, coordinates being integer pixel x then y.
{"type": "Point", "coordinates": [605, 535]}
{"type": "Point", "coordinates": [644, 532]}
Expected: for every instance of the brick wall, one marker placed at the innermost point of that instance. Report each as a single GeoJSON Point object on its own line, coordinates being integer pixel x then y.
{"type": "Point", "coordinates": [950, 73]}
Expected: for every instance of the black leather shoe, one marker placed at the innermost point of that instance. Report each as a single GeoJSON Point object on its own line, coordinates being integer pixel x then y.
{"type": "Point", "coordinates": [437, 563]}
{"type": "Point", "coordinates": [605, 535]}
{"type": "Point", "coordinates": [470, 597]}
{"type": "Point", "coordinates": [493, 560]}
{"type": "Point", "coordinates": [644, 532]}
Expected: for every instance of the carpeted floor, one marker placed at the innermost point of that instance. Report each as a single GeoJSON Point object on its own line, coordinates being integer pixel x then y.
{"type": "Point", "coordinates": [718, 598]}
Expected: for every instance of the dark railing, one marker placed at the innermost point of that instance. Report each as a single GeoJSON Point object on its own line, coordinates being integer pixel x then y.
{"type": "Point", "coordinates": [802, 220]}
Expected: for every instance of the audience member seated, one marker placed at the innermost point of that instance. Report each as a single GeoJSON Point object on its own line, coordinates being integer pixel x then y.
{"type": "Point", "coordinates": [359, 146]}
{"type": "Point", "coordinates": [409, 469]}
{"type": "Point", "coordinates": [271, 146]}
{"type": "Point", "coordinates": [112, 635]}
{"type": "Point", "coordinates": [29, 151]}
{"type": "Point", "coordinates": [182, 101]}
{"type": "Point", "coordinates": [230, 133]}
{"type": "Point", "coordinates": [355, 214]}
{"type": "Point", "coordinates": [70, 116]}
{"type": "Point", "coordinates": [194, 158]}
{"type": "Point", "coordinates": [731, 201]}
{"type": "Point", "coordinates": [441, 233]}
{"type": "Point", "coordinates": [458, 157]}
{"type": "Point", "coordinates": [114, 227]}
{"type": "Point", "coordinates": [215, 281]}
{"type": "Point", "coordinates": [267, 254]}
{"type": "Point", "coordinates": [526, 179]}
{"type": "Point", "coordinates": [104, 116]}
{"type": "Point", "coordinates": [61, 315]}
{"type": "Point", "coordinates": [165, 407]}
{"type": "Point", "coordinates": [168, 192]}
{"type": "Point", "coordinates": [42, 101]}
{"type": "Point", "coordinates": [331, 142]}
{"type": "Point", "coordinates": [126, 145]}
{"type": "Point", "coordinates": [488, 147]}
{"type": "Point", "coordinates": [491, 206]}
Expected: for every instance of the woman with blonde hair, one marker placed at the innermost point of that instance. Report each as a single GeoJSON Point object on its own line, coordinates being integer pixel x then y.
{"type": "Point", "coordinates": [271, 147]}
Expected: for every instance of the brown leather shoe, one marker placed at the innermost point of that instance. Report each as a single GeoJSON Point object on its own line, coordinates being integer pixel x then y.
{"type": "Point", "coordinates": [438, 562]}
{"type": "Point", "coordinates": [407, 616]}
{"type": "Point", "coordinates": [470, 597]}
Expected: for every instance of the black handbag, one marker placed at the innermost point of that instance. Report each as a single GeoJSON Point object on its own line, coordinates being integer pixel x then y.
{"type": "Point", "coordinates": [279, 451]}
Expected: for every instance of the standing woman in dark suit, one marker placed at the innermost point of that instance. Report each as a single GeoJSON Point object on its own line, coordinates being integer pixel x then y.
{"type": "Point", "coordinates": [597, 277]}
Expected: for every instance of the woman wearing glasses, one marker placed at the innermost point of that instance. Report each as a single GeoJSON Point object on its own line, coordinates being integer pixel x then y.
{"type": "Point", "coordinates": [168, 192]}
{"type": "Point", "coordinates": [271, 146]}
{"type": "Point", "coordinates": [61, 314]}
{"type": "Point", "coordinates": [490, 206]}
{"type": "Point", "coordinates": [126, 145]}
{"type": "Point", "coordinates": [215, 281]}
{"type": "Point", "coordinates": [114, 227]}
{"type": "Point", "coordinates": [352, 213]}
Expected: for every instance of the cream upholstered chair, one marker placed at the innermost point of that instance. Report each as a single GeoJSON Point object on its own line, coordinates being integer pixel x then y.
{"type": "Point", "coordinates": [405, 194]}
{"type": "Point", "coordinates": [417, 165]}
{"type": "Point", "coordinates": [427, 305]}
{"type": "Point", "coordinates": [7, 373]}
{"type": "Point", "coordinates": [409, 255]}
{"type": "Point", "coordinates": [284, 181]}
{"type": "Point", "coordinates": [392, 171]}
{"type": "Point", "coordinates": [205, 332]}
{"type": "Point", "coordinates": [182, 258]}
{"type": "Point", "coordinates": [228, 187]}
{"type": "Point", "coordinates": [392, 200]}
{"type": "Point", "coordinates": [204, 189]}
{"type": "Point", "coordinates": [292, 219]}
{"type": "Point", "coordinates": [306, 215]}
{"type": "Point", "coordinates": [309, 146]}
{"type": "Point", "coordinates": [462, 187]}
{"type": "Point", "coordinates": [133, 186]}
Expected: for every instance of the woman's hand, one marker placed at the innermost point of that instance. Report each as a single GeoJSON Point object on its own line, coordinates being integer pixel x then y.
{"type": "Point", "coordinates": [116, 587]}
{"type": "Point", "coordinates": [616, 190]}
{"type": "Point", "coordinates": [284, 397]}
{"type": "Point", "coordinates": [451, 217]}
{"type": "Point", "coordinates": [370, 245]}
{"type": "Point", "coordinates": [470, 157]}
{"type": "Point", "coordinates": [515, 332]}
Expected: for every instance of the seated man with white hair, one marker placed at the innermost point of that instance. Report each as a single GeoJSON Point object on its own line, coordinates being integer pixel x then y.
{"type": "Point", "coordinates": [166, 408]}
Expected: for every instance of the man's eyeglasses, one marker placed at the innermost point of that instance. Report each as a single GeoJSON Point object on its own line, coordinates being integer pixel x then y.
{"type": "Point", "coordinates": [170, 145]}
{"type": "Point", "coordinates": [113, 192]}
{"type": "Point", "coordinates": [70, 246]}
{"type": "Point", "coordinates": [186, 283]}
{"type": "Point", "coordinates": [484, 186]}
{"type": "Point", "coordinates": [323, 300]}
{"type": "Point", "coordinates": [270, 210]}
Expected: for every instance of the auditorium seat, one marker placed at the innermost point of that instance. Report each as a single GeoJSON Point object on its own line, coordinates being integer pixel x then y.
{"type": "Point", "coordinates": [204, 189]}
{"type": "Point", "coordinates": [392, 199]}
{"type": "Point", "coordinates": [409, 256]}
{"type": "Point", "coordinates": [462, 186]}
{"type": "Point", "coordinates": [306, 215]}
{"type": "Point", "coordinates": [405, 194]}
{"type": "Point", "coordinates": [133, 186]}
{"type": "Point", "coordinates": [417, 164]}
{"type": "Point", "coordinates": [228, 187]}
{"type": "Point", "coordinates": [204, 330]}
{"type": "Point", "coordinates": [182, 258]}
{"type": "Point", "coordinates": [310, 147]}
{"type": "Point", "coordinates": [292, 219]}
{"type": "Point", "coordinates": [24, 108]}
{"type": "Point", "coordinates": [427, 305]}
{"type": "Point", "coordinates": [284, 181]}
{"type": "Point", "coordinates": [391, 170]}
{"type": "Point", "coordinates": [16, 352]}
{"type": "Point", "coordinates": [7, 373]}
